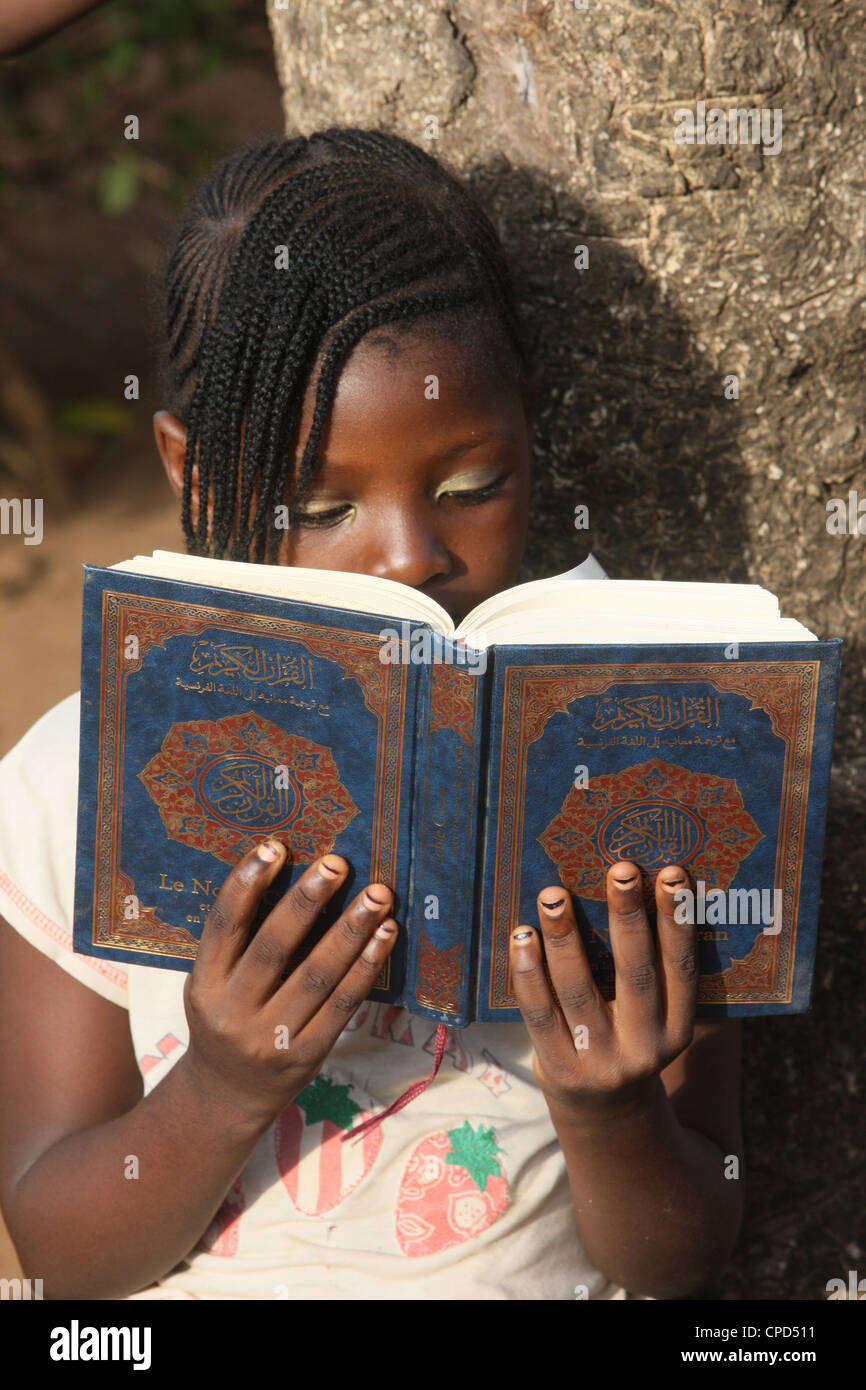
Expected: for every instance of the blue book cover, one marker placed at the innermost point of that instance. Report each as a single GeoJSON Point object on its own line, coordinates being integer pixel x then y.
{"type": "Point", "coordinates": [211, 718]}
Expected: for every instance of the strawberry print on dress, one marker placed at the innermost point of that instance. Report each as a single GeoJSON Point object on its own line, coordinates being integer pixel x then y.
{"type": "Point", "coordinates": [453, 1188]}
{"type": "Point", "coordinates": [317, 1169]}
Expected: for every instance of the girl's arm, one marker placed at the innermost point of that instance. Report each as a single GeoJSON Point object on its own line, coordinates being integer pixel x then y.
{"type": "Point", "coordinates": [22, 22]}
{"type": "Point", "coordinates": [657, 1199]}
{"type": "Point", "coordinates": [72, 1114]}
{"type": "Point", "coordinates": [644, 1100]}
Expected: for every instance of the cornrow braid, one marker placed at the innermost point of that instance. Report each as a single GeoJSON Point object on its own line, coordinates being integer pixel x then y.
{"type": "Point", "coordinates": [286, 256]}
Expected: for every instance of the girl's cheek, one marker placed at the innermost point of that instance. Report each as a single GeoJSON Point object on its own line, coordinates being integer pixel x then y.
{"type": "Point", "coordinates": [490, 538]}
{"type": "Point", "coordinates": [314, 549]}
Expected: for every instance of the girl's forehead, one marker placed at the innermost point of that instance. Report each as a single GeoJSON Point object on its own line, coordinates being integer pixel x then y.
{"type": "Point", "coordinates": [434, 394]}
{"type": "Point", "coordinates": [420, 352]}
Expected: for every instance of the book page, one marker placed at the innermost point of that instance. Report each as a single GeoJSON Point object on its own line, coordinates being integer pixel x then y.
{"type": "Point", "coordinates": [555, 611]}
{"type": "Point", "coordinates": [610, 628]}
{"type": "Point", "coordinates": [358, 593]}
{"type": "Point", "coordinates": [624, 610]}
{"type": "Point", "coordinates": [734, 600]}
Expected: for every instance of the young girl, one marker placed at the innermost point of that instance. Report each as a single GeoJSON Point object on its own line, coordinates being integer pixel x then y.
{"type": "Point", "coordinates": [155, 1142]}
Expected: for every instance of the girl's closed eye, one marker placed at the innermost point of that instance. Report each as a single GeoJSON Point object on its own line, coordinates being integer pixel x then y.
{"type": "Point", "coordinates": [324, 516]}
{"type": "Point", "coordinates": [467, 489]}
{"type": "Point", "coordinates": [472, 487]}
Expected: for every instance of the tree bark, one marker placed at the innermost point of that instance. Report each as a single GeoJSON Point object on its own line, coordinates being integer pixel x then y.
{"type": "Point", "coordinates": [705, 262]}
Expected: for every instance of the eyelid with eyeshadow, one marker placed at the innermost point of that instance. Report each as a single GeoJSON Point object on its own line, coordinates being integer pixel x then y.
{"type": "Point", "coordinates": [328, 514]}
{"type": "Point", "coordinates": [317, 508]}
{"type": "Point", "coordinates": [476, 482]}
{"type": "Point", "coordinates": [469, 480]}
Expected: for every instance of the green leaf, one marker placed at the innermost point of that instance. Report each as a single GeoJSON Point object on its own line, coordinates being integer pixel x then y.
{"type": "Point", "coordinates": [96, 415]}
{"type": "Point", "coordinates": [121, 57]}
{"type": "Point", "coordinates": [323, 1099]}
{"type": "Point", "coordinates": [473, 1150]}
{"type": "Point", "coordinates": [186, 132]}
{"type": "Point", "coordinates": [119, 187]}
{"type": "Point", "coordinates": [212, 58]}
{"type": "Point", "coordinates": [90, 91]}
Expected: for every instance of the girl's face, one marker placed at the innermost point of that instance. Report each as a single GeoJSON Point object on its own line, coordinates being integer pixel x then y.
{"type": "Point", "coordinates": [424, 476]}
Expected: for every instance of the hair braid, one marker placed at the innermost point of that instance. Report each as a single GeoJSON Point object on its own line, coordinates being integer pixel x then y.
{"type": "Point", "coordinates": [376, 233]}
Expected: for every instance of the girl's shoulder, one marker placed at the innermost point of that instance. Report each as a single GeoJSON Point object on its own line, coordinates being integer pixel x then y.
{"type": "Point", "coordinates": [38, 819]}
{"type": "Point", "coordinates": [39, 794]}
{"type": "Point", "coordinates": [52, 742]}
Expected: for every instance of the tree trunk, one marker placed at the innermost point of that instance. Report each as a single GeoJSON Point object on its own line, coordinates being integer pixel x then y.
{"type": "Point", "coordinates": [703, 390]}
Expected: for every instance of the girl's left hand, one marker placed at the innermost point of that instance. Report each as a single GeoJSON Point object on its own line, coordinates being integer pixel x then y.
{"type": "Point", "coordinates": [589, 1053]}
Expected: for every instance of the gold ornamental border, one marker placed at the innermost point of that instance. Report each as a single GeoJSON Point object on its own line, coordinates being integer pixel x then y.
{"type": "Point", "coordinates": [154, 620]}
{"type": "Point", "coordinates": [786, 691]}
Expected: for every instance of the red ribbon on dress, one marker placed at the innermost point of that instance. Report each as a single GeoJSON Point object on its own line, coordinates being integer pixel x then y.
{"type": "Point", "coordinates": [408, 1095]}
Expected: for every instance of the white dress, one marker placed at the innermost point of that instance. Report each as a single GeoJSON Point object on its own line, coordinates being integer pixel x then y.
{"type": "Point", "coordinates": [310, 1217]}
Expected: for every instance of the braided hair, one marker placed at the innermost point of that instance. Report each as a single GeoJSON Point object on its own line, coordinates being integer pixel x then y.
{"type": "Point", "coordinates": [289, 253]}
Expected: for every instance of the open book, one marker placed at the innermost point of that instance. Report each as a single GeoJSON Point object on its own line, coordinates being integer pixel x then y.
{"type": "Point", "coordinates": [542, 611]}
{"type": "Point", "coordinates": [560, 727]}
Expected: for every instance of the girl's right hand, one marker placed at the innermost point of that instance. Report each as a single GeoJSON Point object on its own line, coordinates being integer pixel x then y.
{"type": "Point", "coordinates": [255, 1039]}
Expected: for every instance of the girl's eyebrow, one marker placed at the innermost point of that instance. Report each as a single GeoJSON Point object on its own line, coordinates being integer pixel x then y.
{"type": "Point", "coordinates": [491, 436]}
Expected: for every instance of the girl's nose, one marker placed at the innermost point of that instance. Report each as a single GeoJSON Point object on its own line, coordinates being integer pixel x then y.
{"type": "Point", "coordinates": [410, 554]}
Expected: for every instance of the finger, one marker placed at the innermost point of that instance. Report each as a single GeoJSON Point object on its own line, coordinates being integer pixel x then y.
{"type": "Point", "coordinates": [328, 1022]}
{"type": "Point", "coordinates": [568, 967]}
{"type": "Point", "coordinates": [226, 929]}
{"type": "Point", "coordinates": [320, 974]}
{"type": "Point", "coordinates": [541, 1012]}
{"type": "Point", "coordinates": [259, 971]}
{"type": "Point", "coordinates": [678, 950]}
{"type": "Point", "coordinates": [638, 1004]}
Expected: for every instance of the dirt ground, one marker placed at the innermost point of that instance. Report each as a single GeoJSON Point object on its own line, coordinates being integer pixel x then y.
{"type": "Point", "coordinates": [74, 319]}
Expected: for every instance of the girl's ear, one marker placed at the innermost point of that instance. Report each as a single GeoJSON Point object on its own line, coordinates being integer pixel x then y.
{"type": "Point", "coordinates": [170, 436]}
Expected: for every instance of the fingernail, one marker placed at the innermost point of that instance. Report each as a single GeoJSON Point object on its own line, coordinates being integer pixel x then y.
{"type": "Point", "coordinates": [387, 929]}
{"type": "Point", "coordinates": [270, 850]}
{"type": "Point", "coordinates": [375, 902]}
{"type": "Point", "coordinates": [672, 883]}
{"type": "Point", "coordinates": [625, 882]}
{"type": "Point", "coordinates": [329, 867]}
{"type": "Point", "coordinates": [553, 906]}
{"type": "Point", "coordinates": [522, 934]}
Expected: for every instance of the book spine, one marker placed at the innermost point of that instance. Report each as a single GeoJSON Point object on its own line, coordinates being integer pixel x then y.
{"type": "Point", "coordinates": [448, 777]}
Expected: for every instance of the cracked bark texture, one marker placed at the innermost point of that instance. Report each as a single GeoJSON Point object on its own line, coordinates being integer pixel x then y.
{"type": "Point", "coordinates": [705, 261]}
